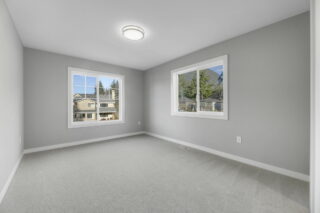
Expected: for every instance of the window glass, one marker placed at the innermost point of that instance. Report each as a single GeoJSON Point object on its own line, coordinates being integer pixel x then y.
{"type": "Point", "coordinates": [78, 80]}
{"type": "Point", "coordinates": [200, 90]}
{"type": "Point", "coordinates": [211, 89]}
{"type": "Point", "coordinates": [187, 91]}
{"type": "Point", "coordinates": [83, 107]}
{"type": "Point", "coordinates": [95, 97]}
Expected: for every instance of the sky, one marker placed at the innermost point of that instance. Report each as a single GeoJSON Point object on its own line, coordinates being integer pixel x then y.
{"type": "Point", "coordinates": [79, 83]}
{"type": "Point", "coordinates": [217, 69]}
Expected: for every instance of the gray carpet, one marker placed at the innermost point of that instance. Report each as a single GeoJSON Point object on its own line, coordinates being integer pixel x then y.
{"type": "Point", "coordinates": [142, 174]}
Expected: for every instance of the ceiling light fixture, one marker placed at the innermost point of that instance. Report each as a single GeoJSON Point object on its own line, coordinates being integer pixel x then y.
{"type": "Point", "coordinates": [133, 32]}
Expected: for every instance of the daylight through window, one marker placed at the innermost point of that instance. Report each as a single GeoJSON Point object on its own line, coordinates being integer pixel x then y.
{"type": "Point", "coordinates": [95, 98]}
{"type": "Point", "coordinates": [200, 90]}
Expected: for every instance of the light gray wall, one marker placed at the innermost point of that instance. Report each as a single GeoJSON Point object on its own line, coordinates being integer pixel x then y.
{"type": "Point", "coordinates": [46, 99]}
{"type": "Point", "coordinates": [268, 97]}
{"type": "Point", "coordinates": [11, 95]}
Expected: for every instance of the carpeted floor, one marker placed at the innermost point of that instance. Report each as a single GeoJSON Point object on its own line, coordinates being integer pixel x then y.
{"type": "Point", "coordinates": [142, 174]}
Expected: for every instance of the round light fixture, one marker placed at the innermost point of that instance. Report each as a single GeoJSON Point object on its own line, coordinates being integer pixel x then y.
{"type": "Point", "coordinates": [133, 32]}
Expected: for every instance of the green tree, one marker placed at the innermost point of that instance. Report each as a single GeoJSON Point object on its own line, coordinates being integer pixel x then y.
{"type": "Point", "coordinates": [182, 86]}
{"type": "Point", "coordinates": [218, 92]}
{"type": "Point", "coordinates": [206, 89]}
{"type": "Point", "coordinates": [115, 84]}
{"type": "Point", "coordinates": [101, 89]}
{"type": "Point", "coordinates": [191, 88]}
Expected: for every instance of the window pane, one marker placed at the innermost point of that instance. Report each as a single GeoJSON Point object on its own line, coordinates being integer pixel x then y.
{"type": "Point", "coordinates": [78, 117]}
{"type": "Point", "coordinates": [107, 83]}
{"type": "Point", "coordinates": [109, 116]}
{"type": "Point", "coordinates": [91, 116]}
{"type": "Point", "coordinates": [79, 92]}
{"type": "Point", "coordinates": [211, 89]}
{"type": "Point", "coordinates": [187, 92]}
{"type": "Point", "coordinates": [108, 88]}
{"type": "Point", "coordinates": [109, 110]}
{"type": "Point", "coordinates": [91, 88]}
{"type": "Point", "coordinates": [91, 81]}
{"type": "Point", "coordinates": [84, 109]}
{"type": "Point", "coordinates": [95, 96]}
{"type": "Point", "coordinates": [84, 86]}
{"type": "Point", "coordinates": [78, 80]}
{"type": "Point", "coordinates": [91, 92]}
{"type": "Point", "coordinates": [109, 94]}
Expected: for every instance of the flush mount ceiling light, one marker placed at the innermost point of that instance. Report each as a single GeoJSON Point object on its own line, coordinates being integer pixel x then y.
{"type": "Point", "coordinates": [133, 32]}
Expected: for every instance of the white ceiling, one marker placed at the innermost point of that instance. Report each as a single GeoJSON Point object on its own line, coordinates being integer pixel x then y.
{"type": "Point", "coordinates": [91, 28]}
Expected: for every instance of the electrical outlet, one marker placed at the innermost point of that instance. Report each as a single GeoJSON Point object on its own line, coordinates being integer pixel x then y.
{"type": "Point", "coordinates": [239, 139]}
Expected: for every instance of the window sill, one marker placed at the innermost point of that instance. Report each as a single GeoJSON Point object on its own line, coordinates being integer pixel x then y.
{"type": "Point", "coordinates": [96, 123]}
{"type": "Point", "coordinates": [217, 116]}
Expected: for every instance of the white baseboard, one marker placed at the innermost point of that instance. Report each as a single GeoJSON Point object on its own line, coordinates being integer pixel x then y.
{"type": "Point", "coordinates": [268, 167]}
{"type": "Point", "coordinates": [7, 184]}
{"type": "Point", "coordinates": [76, 143]}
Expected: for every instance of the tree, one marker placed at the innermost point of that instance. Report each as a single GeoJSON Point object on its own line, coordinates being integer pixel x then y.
{"type": "Point", "coordinates": [182, 86]}
{"type": "Point", "coordinates": [115, 87]}
{"type": "Point", "coordinates": [191, 88]}
{"type": "Point", "coordinates": [115, 84]}
{"type": "Point", "coordinates": [220, 79]}
{"type": "Point", "coordinates": [218, 92]}
{"type": "Point", "coordinates": [101, 88]}
{"type": "Point", "coordinates": [206, 89]}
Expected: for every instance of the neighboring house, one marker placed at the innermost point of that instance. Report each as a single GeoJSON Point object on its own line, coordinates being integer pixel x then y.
{"type": "Point", "coordinates": [85, 109]}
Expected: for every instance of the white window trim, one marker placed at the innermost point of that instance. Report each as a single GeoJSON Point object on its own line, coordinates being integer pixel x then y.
{"type": "Point", "coordinates": [196, 67]}
{"type": "Point", "coordinates": [71, 124]}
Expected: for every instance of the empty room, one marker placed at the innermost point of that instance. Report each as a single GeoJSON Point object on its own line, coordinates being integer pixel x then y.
{"type": "Point", "coordinates": [148, 106]}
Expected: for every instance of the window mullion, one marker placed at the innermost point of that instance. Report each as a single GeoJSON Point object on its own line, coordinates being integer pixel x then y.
{"type": "Point", "coordinates": [98, 98]}
{"type": "Point", "coordinates": [176, 93]}
{"type": "Point", "coordinates": [85, 86]}
{"type": "Point", "coordinates": [198, 91]}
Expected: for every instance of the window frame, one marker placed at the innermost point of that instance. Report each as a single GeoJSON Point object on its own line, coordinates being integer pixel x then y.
{"type": "Point", "coordinates": [197, 67]}
{"type": "Point", "coordinates": [74, 71]}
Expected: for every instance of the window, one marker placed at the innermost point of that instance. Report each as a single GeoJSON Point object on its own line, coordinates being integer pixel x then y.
{"type": "Point", "coordinates": [95, 98]}
{"type": "Point", "coordinates": [200, 90]}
